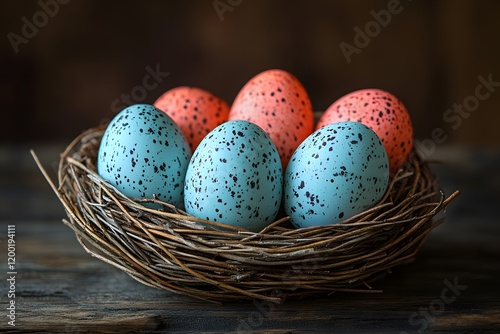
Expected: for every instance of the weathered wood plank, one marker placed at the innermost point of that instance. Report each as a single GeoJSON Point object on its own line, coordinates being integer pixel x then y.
{"type": "Point", "coordinates": [452, 286]}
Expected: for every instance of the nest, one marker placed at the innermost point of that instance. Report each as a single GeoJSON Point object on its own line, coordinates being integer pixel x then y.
{"type": "Point", "coordinates": [170, 250]}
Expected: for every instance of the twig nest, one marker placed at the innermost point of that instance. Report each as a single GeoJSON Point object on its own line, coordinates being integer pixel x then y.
{"type": "Point", "coordinates": [171, 250]}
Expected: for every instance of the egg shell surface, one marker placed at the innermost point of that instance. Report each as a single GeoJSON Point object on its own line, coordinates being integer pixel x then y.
{"type": "Point", "coordinates": [340, 170]}
{"type": "Point", "coordinates": [384, 113]}
{"type": "Point", "coordinates": [235, 177]}
{"type": "Point", "coordinates": [276, 101]}
{"type": "Point", "coordinates": [144, 153]}
{"type": "Point", "coordinates": [194, 110]}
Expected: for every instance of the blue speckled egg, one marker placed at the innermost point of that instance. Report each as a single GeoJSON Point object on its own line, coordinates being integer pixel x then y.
{"type": "Point", "coordinates": [235, 177]}
{"type": "Point", "coordinates": [143, 153]}
{"type": "Point", "coordinates": [339, 171]}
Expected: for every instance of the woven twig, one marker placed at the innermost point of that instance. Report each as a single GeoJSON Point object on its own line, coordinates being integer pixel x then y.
{"type": "Point", "coordinates": [168, 249]}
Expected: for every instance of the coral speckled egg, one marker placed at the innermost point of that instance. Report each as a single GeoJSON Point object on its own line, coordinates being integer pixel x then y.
{"type": "Point", "coordinates": [276, 101]}
{"type": "Point", "coordinates": [143, 153]}
{"type": "Point", "coordinates": [383, 113]}
{"type": "Point", "coordinates": [235, 177]}
{"type": "Point", "coordinates": [339, 171]}
{"type": "Point", "coordinates": [194, 110]}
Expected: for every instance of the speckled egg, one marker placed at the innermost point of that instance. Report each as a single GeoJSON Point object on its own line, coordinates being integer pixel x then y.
{"type": "Point", "coordinates": [194, 110]}
{"type": "Point", "coordinates": [144, 153]}
{"type": "Point", "coordinates": [340, 170]}
{"type": "Point", "coordinates": [235, 177]}
{"type": "Point", "coordinates": [383, 113]}
{"type": "Point", "coordinates": [276, 101]}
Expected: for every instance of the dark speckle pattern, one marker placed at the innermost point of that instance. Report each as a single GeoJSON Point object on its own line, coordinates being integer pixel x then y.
{"type": "Point", "coordinates": [340, 170]}
{"type": "Point", "coordinates": [235, 177]}
{"type": "Point", "coordinates": [276, 101]}
{"type": "Point", "coordinates": [194, 110]}
{"type": "Point", "coordinates": [384, 113]}
{"type": "Point", "coordinates": [143, 153]}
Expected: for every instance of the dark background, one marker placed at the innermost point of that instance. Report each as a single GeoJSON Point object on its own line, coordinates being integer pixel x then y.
{"type": "Point", "coordinates": [65, 78]}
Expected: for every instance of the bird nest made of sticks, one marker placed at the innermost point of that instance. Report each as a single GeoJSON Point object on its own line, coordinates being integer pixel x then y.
{"type": "Point", "coordinates": [171, 250]}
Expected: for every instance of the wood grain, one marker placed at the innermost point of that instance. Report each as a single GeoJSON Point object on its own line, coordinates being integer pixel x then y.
{"type": "Point", "coordinates": [60, 288]}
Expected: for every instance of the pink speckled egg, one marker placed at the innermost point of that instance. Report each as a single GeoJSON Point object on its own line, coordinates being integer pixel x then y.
{"type": "Point", "coordinates": [383, 113]}
{"type": "Point", "coordinates": [194, 110]}
{"type": "Point", "coordinates": [276, 101]}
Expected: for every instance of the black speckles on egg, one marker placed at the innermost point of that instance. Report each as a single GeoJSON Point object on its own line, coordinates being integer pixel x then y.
{"type": "Point", "coordinates": [235, 177]}
{"type": "Point", "coordinates": [134, 157]}
{"type": "Point", "coordinates": [382, 112]}
{"type": "Point", "coordinates": [194, 110]}
{"type": "Point", "coordinates": [324, 186]}
{"type": "Point", "coordinates": [277, 102]}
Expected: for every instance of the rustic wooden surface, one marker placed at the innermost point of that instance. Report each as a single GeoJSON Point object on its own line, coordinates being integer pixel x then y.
{"type": "Point", "coordinates": [60, 288]}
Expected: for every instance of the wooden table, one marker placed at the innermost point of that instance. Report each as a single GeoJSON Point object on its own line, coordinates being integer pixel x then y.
{"type": "Point", "coordinates": [453, 286]}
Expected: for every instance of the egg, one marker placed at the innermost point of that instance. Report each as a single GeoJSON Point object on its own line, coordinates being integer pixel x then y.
{"type": "Point", "coordinates": [383, 113]}
{"type": "Point", "coordinates": [144, 153]}
{"type": "Point", "coordinates": [339, 171]}
{"type": "Point", "coordinates": [276, 101]}
{"type": "Point", "coordinates": [194, 110]}
{"type": "Point", "coordinates": [235, 177]}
